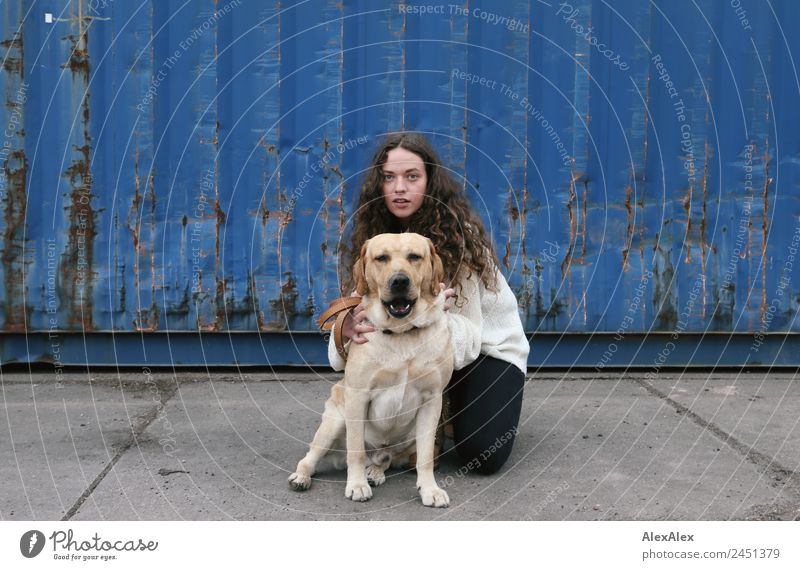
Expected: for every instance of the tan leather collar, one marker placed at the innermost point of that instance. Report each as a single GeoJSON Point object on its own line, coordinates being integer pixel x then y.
{"type": "Point", "coordinates": [339, 308]}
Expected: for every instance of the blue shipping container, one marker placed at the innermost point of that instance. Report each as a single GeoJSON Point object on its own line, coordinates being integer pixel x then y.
{"type": "Point", "coordinates": [177, 174]}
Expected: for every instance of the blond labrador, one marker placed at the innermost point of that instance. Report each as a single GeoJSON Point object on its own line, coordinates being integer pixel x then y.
{"type": "Point", "coordinates": [386, 408]}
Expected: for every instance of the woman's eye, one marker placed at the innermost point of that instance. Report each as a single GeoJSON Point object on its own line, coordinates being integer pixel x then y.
{"type": "Point", "coordinates": [414, 257]}
{"type": "Point", "coordinates": [382, 258]}
{"type": "Point", "coordinates": [387, 177]}
{"type": "Point", "coordinates": [413, 177]}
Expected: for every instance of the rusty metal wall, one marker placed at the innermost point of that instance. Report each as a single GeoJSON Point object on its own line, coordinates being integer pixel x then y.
{"type": "Point", "coordinates": [190, 165]}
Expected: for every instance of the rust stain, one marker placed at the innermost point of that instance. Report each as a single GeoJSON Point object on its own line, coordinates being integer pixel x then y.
{"type": "Point", "coordinates": [325, 217]}
{"type": "Point", "coordinates": [284, 219]}
{"type": "Point", "coordinates": [339, 201]}
{"type": "Point", "coordinates": [557, 307]}
{"type": "Point", "coordinates": [325, 214]}
{"type": "Point", "coordinates": [263, 211]}
{"type": "Point", "coordinates": [16, 205]}
{"type": "Point", "coordinates": [663, 280]}
{"type": "Point", "coordinates": [134, 223]}
{"type": "Point", "coordinates": [204, 326]}
{"type": "Point", "coordinates": [629, 227]}
{"type": "Point", "coordinates": [118, 265]}
{"type": "Point", "coordinates": [513, 214]}
{"type": "Point", "coordinates": [704, 208]}
{"type": "Point", "coordinates": [285, 306]}
{"type": "Point", "coordinates": [15, 170]}
{"type": "Point", "coordinates": [250, 301]}
{"type": "Point", "coordinates": [687, 203]}
{"type": "Point", "coordinates": [228, 308]}
{"type": "Point", "coordinates": [78, 257]}
{"type": "Point", "coordinates": [538, 299]}
{"type": "Point", "coordinates": [687, 206]}
{"type": "Point", "coordinates": [150, 318]}
{"type": "Point", "coordinates": [585, 209]}
{"type": "Point", "coordinates": [565, 265]}
{"type": "Point", "coordinates": [340, 208]}
{"type": "Point", "coordinates": [526, 272]}
{"type": "Point", "coordinates": [272, 149]}
{"type": "Point", "coordinates": [122, 291]}
{"type": "Point", "coordinates": [11, 64]}
{"type": "Point", "coordinates": [147, 320]}
{"type": "Point", "coordinates": [219, 213]}
{"type": "Point", "coordinates": [220, 283]}
{"type": "Point", "coordinates": [260, 322]}
{"type": "Point", "coordinates": [765, 229]}
{"type": "Point", "coordinates": [182, 309]}
{"type": "Point", "coordinates": [704, 246]}
{"type": "Point", "coordinates": [219, 301]}
{"type": "Point", "coordinates": [642, 178]}
{"type": "Point", "coordinates": [724, 302]}
{"type": "Point", "coordinates": [77, 261]}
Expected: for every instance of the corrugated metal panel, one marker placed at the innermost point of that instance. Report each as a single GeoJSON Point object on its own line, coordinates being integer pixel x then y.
{"type": "Point", "coordinates": [191, 165]}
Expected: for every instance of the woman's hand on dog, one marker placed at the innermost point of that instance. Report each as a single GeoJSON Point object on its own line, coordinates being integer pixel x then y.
{"type": "Point", "coordinates": [356, 324]}
{"type": "Point", "coordinates": [447, 294]}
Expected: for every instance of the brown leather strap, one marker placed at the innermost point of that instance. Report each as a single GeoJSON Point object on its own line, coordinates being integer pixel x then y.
{"type": "Point", "coordinates": [338, 308]}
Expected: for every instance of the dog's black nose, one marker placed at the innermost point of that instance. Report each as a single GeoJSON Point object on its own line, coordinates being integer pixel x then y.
{"type": "Point", "coordinates": [399, 282]}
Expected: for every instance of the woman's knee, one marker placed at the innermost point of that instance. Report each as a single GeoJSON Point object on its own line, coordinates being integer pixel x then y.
{"type": "Point", "coordinates": [485, 455]}
{"type": "Point", "coordinates": [486, 412]}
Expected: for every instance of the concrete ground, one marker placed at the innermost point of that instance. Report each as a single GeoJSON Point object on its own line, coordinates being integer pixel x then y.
{"type": "Point", "coordinates": [219, 445]}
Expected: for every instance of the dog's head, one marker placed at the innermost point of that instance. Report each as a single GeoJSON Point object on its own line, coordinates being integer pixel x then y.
{"type": "Point", "coordinates": [399, 270]}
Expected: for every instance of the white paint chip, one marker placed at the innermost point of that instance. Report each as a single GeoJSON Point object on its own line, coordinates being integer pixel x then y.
{"type": "Point", "coordinates": [48, 18]}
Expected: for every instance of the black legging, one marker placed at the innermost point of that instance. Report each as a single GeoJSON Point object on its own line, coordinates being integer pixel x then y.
{"type": "Point", "coordinates": [485, 404]}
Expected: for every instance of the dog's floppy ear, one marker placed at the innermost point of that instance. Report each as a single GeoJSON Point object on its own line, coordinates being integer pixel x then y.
{"type": "Point", "coordinates": [437, 270]}
{"type": "Point", "coordinates": [359, 275]}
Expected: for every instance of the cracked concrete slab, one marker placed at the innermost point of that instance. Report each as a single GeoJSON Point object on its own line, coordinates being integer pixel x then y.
{"type": "Point", "coordinates": [588, 449]}
{"type": "Point", "coordinates": [56, 438]}
{"type": "Point", "coordinates": [758, 409]}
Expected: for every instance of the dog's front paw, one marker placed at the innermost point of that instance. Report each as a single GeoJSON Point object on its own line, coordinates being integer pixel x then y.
{"type": "Point", "coordinates": [299, 481]}
{"type": "Point", "coordinates": [434, 497]}
{"type": "Point", "coordinates": [360, 491]}
{"type": "Point", "coordinates": [375, 475]}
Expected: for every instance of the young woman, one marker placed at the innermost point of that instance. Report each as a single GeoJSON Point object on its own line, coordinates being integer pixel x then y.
{"type": "Point", "coordinates": [407, 189]}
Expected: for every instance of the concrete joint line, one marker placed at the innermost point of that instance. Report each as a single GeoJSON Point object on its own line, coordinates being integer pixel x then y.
{"type": "Point", "coordinates": [166, 392]}
{"type": "Point", "coordinates": [777, 473]}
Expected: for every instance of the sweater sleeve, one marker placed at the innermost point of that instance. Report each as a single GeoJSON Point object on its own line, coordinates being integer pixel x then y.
{"type": "Point", "coordinates": [334, 358]}
{"type": "Point", "coordinates": [465, 322]}
{"type": "Point", "coordinates": [503, 332]}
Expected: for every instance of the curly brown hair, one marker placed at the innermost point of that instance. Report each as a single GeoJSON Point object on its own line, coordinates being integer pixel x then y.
{"type": "Point", "coordinates": [446, 217]}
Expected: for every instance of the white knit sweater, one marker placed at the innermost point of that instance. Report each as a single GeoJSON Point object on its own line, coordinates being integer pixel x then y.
{"type": "Point", "coordinates": [485, 323]}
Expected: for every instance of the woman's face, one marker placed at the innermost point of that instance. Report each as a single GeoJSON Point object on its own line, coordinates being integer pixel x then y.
{"type": "Point", "coordinates": [404, 182]}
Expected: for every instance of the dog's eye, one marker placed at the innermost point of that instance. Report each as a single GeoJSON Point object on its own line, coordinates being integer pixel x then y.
{"type": "Point", "coordinates": [414, 257]}
{"type": "Point", "coordinates": [382, 258]}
